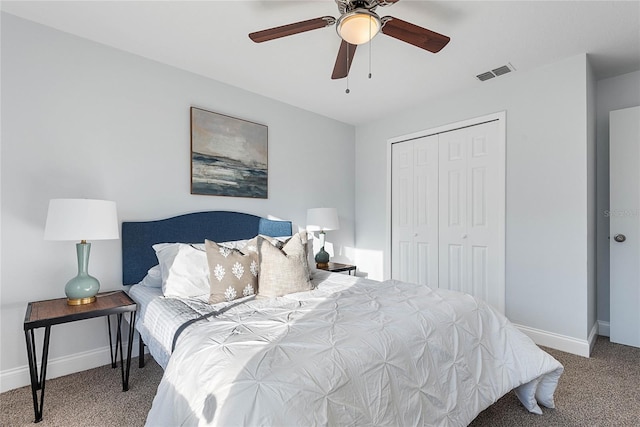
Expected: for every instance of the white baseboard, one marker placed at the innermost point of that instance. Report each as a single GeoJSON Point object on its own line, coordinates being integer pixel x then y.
{"type": "Point", "coordinates": [60, 366]}
{"type": "Point", "coordinates": [562, 342]}
{"type": "Point", "coordinates": [604, 328]}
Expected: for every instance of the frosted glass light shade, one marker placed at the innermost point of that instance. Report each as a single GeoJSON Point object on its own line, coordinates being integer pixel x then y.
{"type": "Point", "coordinates": [322, 219]}
{"type": "Point", "coordinates": [358, 27]}
{"type": "Point", "coordinates": [81, 219]}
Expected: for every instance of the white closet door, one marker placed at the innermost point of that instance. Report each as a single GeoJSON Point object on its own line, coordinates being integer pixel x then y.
{"type": "Point", "coordinates": [402, 212]}
{"type": "Point", "coordinates": [471, 205]}
{"type": "Point", "coordinates": [447, 211]}
{"type": "Point", "coordinates": [415, 211]}
{"type": "Point", "coordinates": [425, 239]}
{"type": "Point", "coordinates": [452, 210]}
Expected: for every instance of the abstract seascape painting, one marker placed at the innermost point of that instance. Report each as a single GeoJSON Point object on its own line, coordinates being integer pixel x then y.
{"type": "Point", "coordinates": [228, 156]}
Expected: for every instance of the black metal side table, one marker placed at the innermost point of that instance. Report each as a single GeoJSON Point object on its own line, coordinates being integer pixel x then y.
{"type": "Point", "coordinates": [44, 314]}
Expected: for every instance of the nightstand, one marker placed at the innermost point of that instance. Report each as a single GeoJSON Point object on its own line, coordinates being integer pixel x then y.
{"type": "Point", "coordinates": [44, 314]}
{"type": "Point", "coordinates": [336, 267]}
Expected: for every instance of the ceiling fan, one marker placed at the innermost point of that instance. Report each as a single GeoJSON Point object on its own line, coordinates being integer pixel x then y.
{"type": "Point", "coordinates": [357, 24]}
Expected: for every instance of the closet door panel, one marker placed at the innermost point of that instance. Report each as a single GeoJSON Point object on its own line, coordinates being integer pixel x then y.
{"type": "Point", "coordinates": [414, 190]}
{"type": "Point", "coordinates": [426, 264]}
{"type": "Point", "coordinates": [483, 227]}
{"type": "Point", "coordinates": [452, 210]}
{"type": "Point", "coordinates": [478, 197]}
{"type": "Point", "coordinates": [426, 214]}
{"type": "Point", "coordinates": [402, 210]}
{"type": "Point", "coordinates": [452, 267]}
{"type": "Point", "coordinates": [405, 255]}
{"type": "Point", "coordinates": [469, 190]}
{"type": "Point", "coordinates": [480, 272]}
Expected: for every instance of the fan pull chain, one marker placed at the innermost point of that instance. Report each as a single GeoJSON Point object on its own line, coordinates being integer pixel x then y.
{"type": "Point", "coordinates": [347, 91]}
{"type": "Point", "coordinates": [370, 42]}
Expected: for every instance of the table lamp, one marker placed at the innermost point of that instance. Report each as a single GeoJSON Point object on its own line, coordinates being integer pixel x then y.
{"type": "Point", "coordinates": [81, 219]}
{"type": "Point", "coordinates": [322, 219]}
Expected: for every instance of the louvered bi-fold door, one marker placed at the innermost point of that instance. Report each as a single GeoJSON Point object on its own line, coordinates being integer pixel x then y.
{"type": "Point", "coordinates": [448, 212]}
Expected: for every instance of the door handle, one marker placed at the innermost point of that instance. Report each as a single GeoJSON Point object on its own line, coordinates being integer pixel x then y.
{"type": "Point", "coordinates": [619, 238]}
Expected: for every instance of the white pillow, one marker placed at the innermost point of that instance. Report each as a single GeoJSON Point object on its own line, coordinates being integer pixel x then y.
{"type": "Point", "coordinates": [184, 270]}
{"type": "Point", "coordinates": [153, 279]}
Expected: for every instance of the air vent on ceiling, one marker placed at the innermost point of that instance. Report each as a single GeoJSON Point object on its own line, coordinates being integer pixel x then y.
{"type": "Point", "coordinates": [485, 76]}
{"type": "Point", "coordinates": [495, 72]}
{"type": "Point", "coordinates": [501, 70]}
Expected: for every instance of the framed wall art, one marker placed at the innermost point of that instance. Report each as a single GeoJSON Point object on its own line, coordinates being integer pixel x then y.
{"type": "Point", "coordinates": [228, 156]}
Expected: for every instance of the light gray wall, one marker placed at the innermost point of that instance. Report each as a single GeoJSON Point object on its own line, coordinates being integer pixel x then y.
{"type": "Point", "coordinates": [611, 94]}
{"type": "Point", "coordinates": [80, 119]}
{"type": "Point", "coordinates": [547, 246]}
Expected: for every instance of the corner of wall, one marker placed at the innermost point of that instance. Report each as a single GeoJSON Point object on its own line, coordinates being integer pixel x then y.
{"type": "Point", "coordinates": [592, 209]}
{"type": "Point", "coordinates": [603, 328]}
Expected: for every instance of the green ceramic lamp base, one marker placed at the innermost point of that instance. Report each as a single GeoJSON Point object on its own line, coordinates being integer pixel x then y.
{"type": "Point", "coordinates": [83, 288]}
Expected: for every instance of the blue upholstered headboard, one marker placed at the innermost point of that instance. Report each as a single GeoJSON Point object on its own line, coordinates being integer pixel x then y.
{"type": "Point", "coordinates": [219, 226]}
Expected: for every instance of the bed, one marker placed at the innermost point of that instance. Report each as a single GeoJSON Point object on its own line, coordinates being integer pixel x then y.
{"type": "Point", "coordinates": [351, 351]}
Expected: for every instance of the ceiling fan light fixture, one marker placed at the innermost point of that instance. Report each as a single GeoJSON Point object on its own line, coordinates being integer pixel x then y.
{"type": "Point", "coordinates": [358, 26]}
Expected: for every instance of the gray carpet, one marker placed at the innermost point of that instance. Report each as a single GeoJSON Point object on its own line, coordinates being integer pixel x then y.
{"type": "Point", "coordinates": [603, 390]}
{"type": "Point", "coordinates": [88, 398]}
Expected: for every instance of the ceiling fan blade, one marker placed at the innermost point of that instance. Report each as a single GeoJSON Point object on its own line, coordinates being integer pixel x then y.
{"type": "Point", "coordinates": [291, 29]}
{"type": "Point", "coordinates": [387, 2]}
{"type": "Point", "coordinates": [344, 60]}
{"type": "Point", "coordinates": [413, 34]}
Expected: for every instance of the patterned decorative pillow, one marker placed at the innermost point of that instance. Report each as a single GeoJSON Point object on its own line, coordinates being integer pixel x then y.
{"type": "Point", "coordinates": [232, 274]}
{"type": "Point", "coordinates": [283, 271]}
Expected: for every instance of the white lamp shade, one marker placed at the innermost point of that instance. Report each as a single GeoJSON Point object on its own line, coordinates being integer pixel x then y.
{"type": "Point", "coordinates": [81, 219]}
{"type": "Point", "coordinates": [322, 219]}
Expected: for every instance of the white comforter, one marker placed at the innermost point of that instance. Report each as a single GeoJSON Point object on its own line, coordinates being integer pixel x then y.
{"type": "Point", "coordinates": [352, 352]}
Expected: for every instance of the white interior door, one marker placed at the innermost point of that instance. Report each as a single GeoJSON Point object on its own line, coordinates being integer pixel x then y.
{"type": "Point", "coordinates": [415, 211]}
{"type": "Point", "coordinates": [624, 228]}
{"type": "Point", "coordinates": [471, 206]}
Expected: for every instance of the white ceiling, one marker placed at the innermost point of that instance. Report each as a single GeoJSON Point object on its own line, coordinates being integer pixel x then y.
{"type": "Point", "coordinates": [210, 38]}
